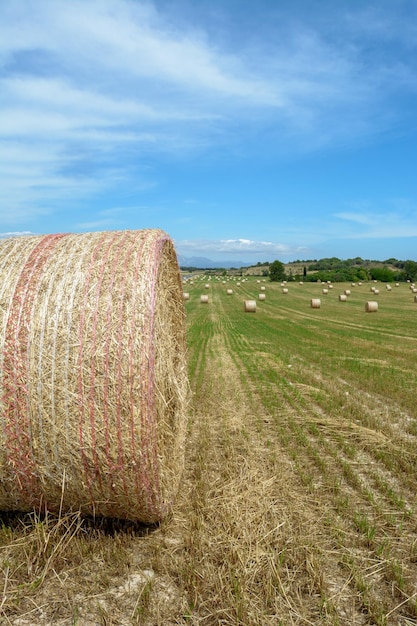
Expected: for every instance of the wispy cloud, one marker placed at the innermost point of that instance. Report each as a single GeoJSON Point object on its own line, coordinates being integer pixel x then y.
{"type": "Point", "coordinates": [380, 225]}
{"type": "Point", "coordinates": [86, 85]}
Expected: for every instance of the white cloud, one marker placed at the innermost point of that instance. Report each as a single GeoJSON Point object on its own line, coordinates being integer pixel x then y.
{"type": "Point", "coordinates": [235, 247]}
{"type": "Point", "coordinates": [116, 80]}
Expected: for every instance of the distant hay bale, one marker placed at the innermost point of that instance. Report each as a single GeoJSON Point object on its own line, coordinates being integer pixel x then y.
{"type": "Point", "coordinates": [376, 292]}
{"type": "Point", "coordinates": [285, 290]}
{"type": "Point", "coordinates": [388, 287]}
{"type": "Point", "coordinates": [229, 292]}
{"type": "Point", "coordinates": [301, 282]}
{"type": "Point", "coordinates": [371, 306]}
{"type": "Point", "coordinates": [373, 289]}
{"type": "Point", "coordinates": [93, 374]}
{"type": "Point", "coordinates": [324, 290]}
{"type": "Point", "coordinates": [360, 284]}
{"type": "Point", "coordinates": [186, 295]}
{"type": "Point", "coordinates": [250, 306]}
{"type": "Point", "coordinates": [397, 284]}
{"type": "Point", "coordinates": [262, 296]}
{"type": "Point", "coordinates": [204, 299]}
{"type": "Point", "coordinates": [237, 284]}
{"type": "Point", "coordinates": [207, 286]}
{"type": "Point", "coordinates": [263, 288]}
{"type": "Point", "coordinates": [342, 297]}
{"type": "Point", "coordinates": [330, 286]}
{"type": "Point", "coordinates": [347, 292]}
{"type": "Point", "coordinates": [315, 303]}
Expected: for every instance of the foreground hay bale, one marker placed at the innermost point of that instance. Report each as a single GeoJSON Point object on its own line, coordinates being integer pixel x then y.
{"type": "Point", "coordinates": [93, 374]}
{"type": "Point", "coordinates": [249, 306]}
{"type": "Point", "coordinates": [315, 303]}
{"type": "Point", "coordinates": [371, 306]}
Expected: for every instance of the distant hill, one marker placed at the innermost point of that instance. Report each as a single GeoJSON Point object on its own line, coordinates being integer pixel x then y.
{"type": "Point", "coordinates": [204, 263]}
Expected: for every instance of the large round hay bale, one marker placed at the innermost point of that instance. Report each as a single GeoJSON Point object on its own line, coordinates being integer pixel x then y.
{"type": "Point", "coordinates": [315, 303]}
{"type": "Point", "coordinates": [285, 290]}
{"type": "Point", "coordinates": [229, 292]}
{"type": "Point", "coordinates": [204, 299]}
{"type": "Point", "coordinates": [371, 306]}
{"type": "Point", "coordinates": [262, 296]}
{"type": "Point", "coordinates": [93, 374]}
{"type": "Point", "coordinates": [250, 306]}
{"type": "Point", "coordinates": [342, 297]}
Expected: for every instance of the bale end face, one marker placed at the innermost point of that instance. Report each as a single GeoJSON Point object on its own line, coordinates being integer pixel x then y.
{"type": "Point", "coordinates": [249, 306]}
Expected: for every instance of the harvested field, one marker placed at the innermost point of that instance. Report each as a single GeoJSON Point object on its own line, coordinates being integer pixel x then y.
{"type": "Point", "coordinates": [298, 500]}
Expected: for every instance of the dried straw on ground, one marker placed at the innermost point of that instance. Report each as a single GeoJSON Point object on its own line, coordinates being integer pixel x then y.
{"type": "Point", "coordinates": [250, 306]}
{"type": "Point", "coordinates": [371, 306]}
{"type": "Point", "coordinates": [93, 374]}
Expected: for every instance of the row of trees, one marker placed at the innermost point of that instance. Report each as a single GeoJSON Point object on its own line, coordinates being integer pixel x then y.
{"type": "Point", "coordinates": [341, 271]}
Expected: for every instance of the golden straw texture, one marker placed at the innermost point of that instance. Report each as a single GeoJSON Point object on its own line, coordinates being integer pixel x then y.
{"type": "Point", "coordinates": [93, 374]}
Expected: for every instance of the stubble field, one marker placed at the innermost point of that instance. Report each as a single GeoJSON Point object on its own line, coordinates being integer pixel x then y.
{"type": "Point", "coordinates": [298, 500]}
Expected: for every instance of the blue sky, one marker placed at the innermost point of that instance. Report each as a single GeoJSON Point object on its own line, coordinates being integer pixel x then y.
{"type": "Point", "coordinates": [249, 130]}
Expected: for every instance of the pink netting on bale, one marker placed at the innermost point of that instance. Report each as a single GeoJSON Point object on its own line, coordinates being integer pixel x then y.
{"type": "Point", "coordinates": [93, 374]}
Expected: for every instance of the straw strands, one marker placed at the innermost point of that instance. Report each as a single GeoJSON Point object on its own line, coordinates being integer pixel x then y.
{"type": "Point", "coordinates": [93, 374]}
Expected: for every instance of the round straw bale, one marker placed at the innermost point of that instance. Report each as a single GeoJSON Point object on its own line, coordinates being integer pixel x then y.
{"type": "Point", "coordinates": [229, 292]}
{"type": "Point", "coordinates": [285, 290]}
{"type": "Point", "coordinates": [371, 306]}
{"type": "Point", "coordinates": [315, 303]}
{"type": "Point", "coordinates": [262, 296]}
{"type": "Point", "coordinates": [342, 297]}
{"type": "Point", "coordinates": [263, 288]}
{"type": "Point", "coordinates": [250, 306]}
{"type": "Point", "coordinates": [186, 295]}
{"type": "Point", "coordinates": [93, 374]}
{"type": "Point", "coordinates": [347, 292]}
{"type": "Point", "coordinates": [324, 290]}
{"type": "Point", "coordinates": [204, 299]}
{"type": "Point", "coordinates": [388, 287]}
{"type": "Point", "coordinates": [207, 286]}
{"type": "Point", "coordinates": [376, 291]}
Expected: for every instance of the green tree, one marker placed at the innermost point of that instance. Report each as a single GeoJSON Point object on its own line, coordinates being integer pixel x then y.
{"type": "Point", "coordinates": [276, 271]}
{"type": "Point", "coordinates": [410, 269]}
